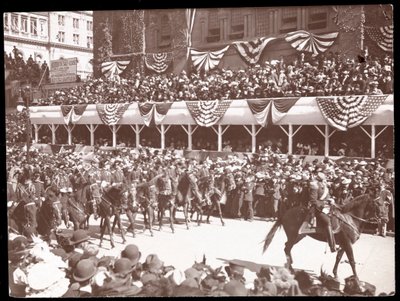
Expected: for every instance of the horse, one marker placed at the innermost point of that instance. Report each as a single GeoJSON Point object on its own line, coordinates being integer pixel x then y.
{"type": "Point", "coordinates": [165, 200]}
{"type": "Point", "coordinates": [348, 223]}
{"type": "Point", "coordinates": [24, 214]}
{"type": "Point", "coordinates": [75, 212]}
{"type": "Point", "coordinates": [49, 216]}
{"type": "Point", "coordinates": [108, 207]}
{"type": "Point", "coordinates": [213, 195]}
{"type": "Point", "coordinates": [183, 196]}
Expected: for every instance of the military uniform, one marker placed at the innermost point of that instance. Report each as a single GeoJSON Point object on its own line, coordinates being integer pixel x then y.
{"type": "Point", "coordinates": [319, 195]}
{"type": "Point", "coordinates": [39, 192]}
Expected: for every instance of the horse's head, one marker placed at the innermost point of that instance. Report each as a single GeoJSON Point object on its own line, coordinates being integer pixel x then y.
{"type": "Point", "coordinates": [56, 206]}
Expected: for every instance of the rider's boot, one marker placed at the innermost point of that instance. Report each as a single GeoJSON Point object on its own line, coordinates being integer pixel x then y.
{"type": "Point", "coordinates": [331, 239]}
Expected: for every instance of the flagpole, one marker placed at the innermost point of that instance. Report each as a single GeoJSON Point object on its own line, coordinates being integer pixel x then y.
{"type": "Point", "coordinates": [362, 21]}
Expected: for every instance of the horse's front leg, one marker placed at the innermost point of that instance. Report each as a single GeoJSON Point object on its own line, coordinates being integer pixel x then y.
{"type": "Point", "coordinates": [338, 258]}
{"type": "Point", "coordinates": [131, 217]}
{"type": "Point", "coordinates": [216, 203]}
{"type": "Point", "coordinates": [118, 219]}
{"type": "Point", "coordinates": [107, 223]}
{"type": "Point", "coordinates": [346, 245]}
{"type": "Point", "coordinates": [171, 217]}
{"type": "Point", "coordinates": [151, 219]}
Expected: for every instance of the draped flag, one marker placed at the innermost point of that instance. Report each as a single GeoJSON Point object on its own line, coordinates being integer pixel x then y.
{"type": "Point", "coordinates": [190, 15]}
{"type": "Point", "coordinates": [251, 50]}
{"type": "Point", "coordinates": [207, 113]}
{"type": "Point", "coordinates": [77, 113]}
{"type": "Point", "coordinates": [67, 112]}
{"type": "Point", "coordinates": [382, 36]}
{"type": "Point", "coordinates": [302, 40]}
{"type": "Point", "coordinates": [344, 112]}
{"type": "Point", "coordinates": [207, 60]}
{"type": "Point", "coordinates": [154, 113]}
{"type": "Point", "coordinates": [72, 113]}
{"type": "Point", "coordinates": [110, 114]}
{"type": "Point", "coordinates": [158, 62]}
{"type": "Point", "coordinates": [109, 69]}
{"type": "Point", "coordinates": [267, 111]}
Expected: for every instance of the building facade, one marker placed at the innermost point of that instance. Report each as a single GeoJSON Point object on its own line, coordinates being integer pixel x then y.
{"type": "Point", "coordinates": [50, 36]}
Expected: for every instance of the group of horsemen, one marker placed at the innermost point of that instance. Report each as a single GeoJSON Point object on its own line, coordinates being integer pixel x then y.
{"type": "Point", "coordinates": [155, 180]}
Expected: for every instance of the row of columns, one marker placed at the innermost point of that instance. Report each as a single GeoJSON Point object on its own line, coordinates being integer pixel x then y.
{"type": "Point", "coordinates": [219, 130]}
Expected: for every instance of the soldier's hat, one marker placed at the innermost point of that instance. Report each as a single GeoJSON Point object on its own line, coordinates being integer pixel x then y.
{"type": "Point", "coordinates": [79, 236]}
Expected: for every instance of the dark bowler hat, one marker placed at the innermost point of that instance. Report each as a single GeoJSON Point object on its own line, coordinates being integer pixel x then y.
{"type": "Point", "coordinates": [153, 263]}
{"type": "Point", "coordinates": [132, 253]}
{"type": "Point", "coordinates": [123, 266]}
{"type": "Point", "coordinates": [84, 270]}
{"type": "Point", "coordinates": [79, 236]}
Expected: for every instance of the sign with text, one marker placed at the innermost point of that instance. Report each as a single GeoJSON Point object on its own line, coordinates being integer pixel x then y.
{"type": "Point", "coordinates": [63, 70]}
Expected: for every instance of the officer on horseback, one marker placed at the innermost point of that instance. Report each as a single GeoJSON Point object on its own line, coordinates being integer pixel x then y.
{"type": "Point", "coordinates": [320, 202]}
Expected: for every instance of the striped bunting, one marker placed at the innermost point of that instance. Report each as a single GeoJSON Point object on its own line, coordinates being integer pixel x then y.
{"type": "Point", "coordinates": [67, 112]}
{"type": "Point", "coordinates": [207, 60]}
{"type": "Point", "coordinates": [110, 114]}
{"type": "Point", "coordinates": [251, 50]}
{"type": "Point", "coordinates": [302, 40]}
{"type": "Point", "coordinates": [158, 62]}
{"type": "Point", "coordinates": [109, 69]}
{"type": "Point", "coordinates": [343, 112]}
{"type": "Point", "coordinates": [153, 113]}
{"type": "Point", "coordinates": [382, 36]}
{"type": "Point", "coordinates": [207, 113]}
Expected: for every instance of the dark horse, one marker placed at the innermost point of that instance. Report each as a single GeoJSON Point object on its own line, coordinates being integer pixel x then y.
{"type": "Point", "coordinates": [109, 206]}
{"type": "Point", "coordinates": [346, 224]}
{"type": "Point", "coordinates": [25, 217]}
{"type": "Point", "coordinates": [49, 217]}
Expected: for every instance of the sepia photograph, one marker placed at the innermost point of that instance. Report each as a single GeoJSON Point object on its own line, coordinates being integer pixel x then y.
{"type": "Point", "coordinates": [203, 151]}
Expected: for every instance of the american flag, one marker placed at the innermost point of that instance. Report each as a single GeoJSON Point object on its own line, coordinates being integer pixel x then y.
{"type": "Point", "coordinates": [158, 62]}
{"type": "Point", "coordinates": [343, 112]}
{"type": "Point", "coordinates": [383, 36]}
{"type": "Point", "coordinates": [207, 113]}
{"type": "Point", "coordinates": [302, 40]}
{"type": "Point", "coordinates": [251, 50]}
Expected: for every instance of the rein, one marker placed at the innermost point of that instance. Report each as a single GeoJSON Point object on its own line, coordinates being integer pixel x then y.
{"type": "Point", "coordinates": [76, 207]}
{"type": "Point", "coordinates": [362, 219]}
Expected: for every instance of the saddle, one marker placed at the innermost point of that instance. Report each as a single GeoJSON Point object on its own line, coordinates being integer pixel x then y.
{"type": "Point", "coordinates": [310, 225]}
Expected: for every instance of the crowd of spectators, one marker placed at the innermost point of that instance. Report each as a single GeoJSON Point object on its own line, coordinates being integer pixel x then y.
{"type": "Point", "coordinates": [329, 75]}
{"type": "Point", "coordinates": [74, 267]}
{"type": "Point", "coordinates": [26, 71]}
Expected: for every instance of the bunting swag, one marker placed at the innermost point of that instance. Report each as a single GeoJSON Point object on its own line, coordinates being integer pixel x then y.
{"type": "Point", "coordinates": [302, 40]}
{"type": "Point", "coordinates": [77, 113]}
{"type": "Point", "coordinates": [382, 36]}
{"type": "Point", "coordinates": [67, 112]}
{"type": "Point", "coordinates": [207, 113]}
{"type": "Point", "coordinates": [207, 60]}
{"type": "Point", "coordinates": [251, 51]}
{"type": "Point", "coordinates": [343, 112]}
{"type": "Point", "coordinates": [154, 113]}
{"type": "Point", "coordinates": [158, 62]}
{"type": "Point", "coordinates": [109, 69]}
{"type": "Point", "coordinates": [267, 111]}
{"type": "Point", "coordinates": [110, 114]}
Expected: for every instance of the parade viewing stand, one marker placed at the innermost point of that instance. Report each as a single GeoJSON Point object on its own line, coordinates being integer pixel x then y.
{"type": "Point", "coordinates": [304, 111]}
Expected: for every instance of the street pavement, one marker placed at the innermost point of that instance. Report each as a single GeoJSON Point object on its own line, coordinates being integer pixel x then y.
{"type": "Point", "coordinates": [242, 241]}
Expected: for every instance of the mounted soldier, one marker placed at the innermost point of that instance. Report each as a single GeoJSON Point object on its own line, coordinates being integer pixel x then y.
{"type": "Point", "coordinates": [320, 202]}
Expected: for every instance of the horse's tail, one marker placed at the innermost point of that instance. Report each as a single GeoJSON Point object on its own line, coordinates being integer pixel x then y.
{"type": "Point", "coordinates": [271, 234]}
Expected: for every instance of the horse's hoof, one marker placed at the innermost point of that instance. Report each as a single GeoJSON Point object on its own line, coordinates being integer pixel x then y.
{"type": "Point", "coordinates": [159, 229]}
{"type": "Point", "coordinates": [223, 224]}
{"type": "Point", "coordinates": [208, 222]}
{"type": "Point", "coordinates": [151, 234]}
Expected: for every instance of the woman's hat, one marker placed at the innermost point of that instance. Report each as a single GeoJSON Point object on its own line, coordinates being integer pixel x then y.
{"type": "Point", "coordinates": [79, 236]}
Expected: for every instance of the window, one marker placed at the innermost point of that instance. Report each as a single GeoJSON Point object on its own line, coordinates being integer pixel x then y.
{"type": "Point", "coordinates": [24, 24]}
{"type": "Point", "coordinates": [89, 25]}
{"type": "Point", "coordinates": [262, 22]}
{"type": "Point", "coordinates": [14, 23]}
{"type": "Point", "coordinates": [317, 18]}
{"type": "Point", "coordinates": [213, 27]}
{"type": "Point", "coordinates": [61, 36]}
{"type": "Point", "coordinates": [89, 41]}
{"type": "Point", "coordinates": [237, 25]}
{"type": "Point", "coordinates": [75, 38]}
{"type": "Point", "coordinates": [5, 18]}
{"type": "Point", "coordinates": [165, 32]}
{"type": "Point", "coordinates": [34, 26]}
{"type": "Point", "coordinates": [42, 27]}
{"type": "Point", "coordinates": [75, 23]}
{"type": "Point", "coordinates": [289, 20]}
{"type": "Point", "coordinates": [61, 20]}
